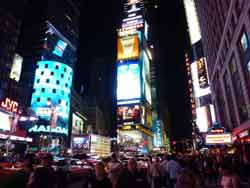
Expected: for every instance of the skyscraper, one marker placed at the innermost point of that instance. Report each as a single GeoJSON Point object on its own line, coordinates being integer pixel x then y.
{"type": "Point", "coordinates": [135, 92]}
{"type": "Point", "coordinates": [48, 45]}
{"type": "Point", "coordinates": [225, 38]}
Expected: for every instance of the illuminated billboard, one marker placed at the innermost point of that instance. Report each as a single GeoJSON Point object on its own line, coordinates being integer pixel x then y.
{"type": "Point", "coordinates": [202, 73]}
{"type": "Point", "coordinates": [59, 48]}
{"type": "Point", "coordinates": [128, 114]}
{"type": "Point", "coordinates": [128, 47]}
{"type": "Point", "coordinates": [203, 120]}
{"type": "Point", "coordinates": [77, 124]}
{"type": "Point", "coordinates": [128, 81]}
{"type": "Point", "coordinates": [5, 121]}
{"type": "Point", "coordinates": [198, 91]}
{"type": "Point", "coordinates": [146, 77]}
{"type": "Point", "coordinates": [51, 94]}
{"type": "Point", "coordinates": [100, 145]}
{"type": "Point", "coordinates": [192, 20]}
{"type": "Point", "coordinates": [16, 68]}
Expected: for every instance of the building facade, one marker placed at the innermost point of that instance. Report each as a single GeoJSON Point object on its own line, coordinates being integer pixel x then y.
{"type": "Point", "coordinates": [49, 59]}
{"type": "Point", "coordinates": [225, 29]}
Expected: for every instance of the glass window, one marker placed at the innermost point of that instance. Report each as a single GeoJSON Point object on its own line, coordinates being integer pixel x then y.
{"type": "Point", "coordinates": [38, 99]}
{"type": "Point", "coordinates": [62, 75]}
{"type": "Point", "coordinates": [43, 89]}
{"type": "Point", "coordinates": [38, 81]}
{"type": "Point", "coordinates": [57, 82]}
{"type": "Point", "coordinates": [52, 73]}
{"type": "Point", "coordinates": [42, 73]}
{"type": "Point", "coordinates": [47, 80]}
{"type": "Point", "coordinates": [54, 90]}
{"type": "Point", "coordinates": [57, 67]}
{"type": "Point", "coordinates": [46, 65]}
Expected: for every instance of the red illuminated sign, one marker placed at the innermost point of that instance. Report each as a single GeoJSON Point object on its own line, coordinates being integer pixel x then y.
{"type": "Point", "coordinates": [10, 105]}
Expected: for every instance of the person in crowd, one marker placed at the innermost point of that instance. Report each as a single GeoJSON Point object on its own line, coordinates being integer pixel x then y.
{"type": "Point", "coordinates": [132, 177]}
{"type": "Point", "coordinates": [155, 173]}
{"type": "Point", "coordinates": [45, 176]}
{"type": "Point", "coordinates": [186, 179]}
{"type": "Point", "coordinates": [172, 168]}
{"type": "Point", "coordinates": [100, 180]}
{"type": "Point", "coordinates": [114, 168]}
{"type": "Point", "coordinates": [164, 172]}
{"type": "Point", "coordinates": [228, 178]}
{"type": "Point", "coordinates": [20, 178]}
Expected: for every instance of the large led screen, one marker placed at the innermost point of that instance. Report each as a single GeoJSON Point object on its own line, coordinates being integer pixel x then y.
{"type": "Point", "coordinates": [52, 89]}
{"type": "Point", "coordinates": [128, 114]}
{"type": "Point", "coordinates": [128, 81]}
{"type": "Point", "coordinates": [128, 47]}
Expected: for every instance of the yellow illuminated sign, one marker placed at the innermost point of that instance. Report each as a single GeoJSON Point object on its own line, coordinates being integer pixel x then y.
{"type": "Point", "coordinates": [128, 47]}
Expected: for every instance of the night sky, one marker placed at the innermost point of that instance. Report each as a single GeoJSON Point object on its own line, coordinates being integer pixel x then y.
{"type": "Point", "coordinates": [99, 22]}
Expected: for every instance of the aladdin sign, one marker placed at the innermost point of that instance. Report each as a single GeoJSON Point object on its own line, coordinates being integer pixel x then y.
{"type": "Point", "coordinates": [48, 129]}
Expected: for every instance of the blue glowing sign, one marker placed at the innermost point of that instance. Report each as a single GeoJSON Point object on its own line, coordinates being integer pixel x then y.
{"type": "Point", "coordinates": [128, 81]}
{"type": "Point", "coordinates": [47, 129]}
{"type": "Point", "coordinates": [59, 48]}
{"type": "Point", "coordinates": [52, 89]}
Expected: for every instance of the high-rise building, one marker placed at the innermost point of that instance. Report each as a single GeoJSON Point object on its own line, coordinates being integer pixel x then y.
{"type": "Point", "coordinates": [48, 45]}
{"type": "Point", "coordinates": [138, 126]}
{"type": "Point", "coordinates": [196, 64]}
{"type": "Point", "coordinates": [225, 29]}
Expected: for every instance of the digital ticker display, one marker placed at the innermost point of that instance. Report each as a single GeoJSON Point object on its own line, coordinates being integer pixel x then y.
{"type": "Point", "coordinates": [128, 81]}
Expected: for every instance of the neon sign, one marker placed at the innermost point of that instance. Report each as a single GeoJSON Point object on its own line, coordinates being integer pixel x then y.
{"type": "Point", "coordinates": [48, 129]}
{"type": "Point", "coordinates": [10, 105]}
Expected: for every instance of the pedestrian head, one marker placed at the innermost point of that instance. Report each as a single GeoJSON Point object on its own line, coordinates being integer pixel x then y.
{"type": "Point", "coordinates": [99, 169]}
{"type": "Point", "coordinates": [47, 160]}
{"type": "Point", "coordinates": [114, 157]}
{"type": "Point", "coordinates": [132, 165]}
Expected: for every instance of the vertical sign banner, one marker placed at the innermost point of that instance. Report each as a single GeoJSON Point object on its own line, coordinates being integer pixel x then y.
{"type": "Point", "coordinates": [128, 47]}
{"type": "Point", "coordinates": [202, 73]}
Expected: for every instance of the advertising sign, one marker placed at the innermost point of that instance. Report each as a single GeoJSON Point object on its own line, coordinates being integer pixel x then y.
{"type": "Point", "coordinates": [146, 78]}
{"type": "Point", "coordinates": [77, 124]}
{"type": "Point", "coordinates": [16, 68]}
{"type": "Point", "coordinates": [202, 73]}
{"type": "Point", "coordinates": [127, 114]}
{"type": "Point", "coordinates": [219, 139]}
{"type": "Point", "coordinates": [100, 145]}
{"type": "Point", "coordinates": [128, 47]}
{"type": "Point", "coordinates": [5, 121]}
{"type": "Point", "coordinates": [80, 143]}
{"type": "Point", "coordinates": [203, 120]}
{"type": "Point", "coordinates": [128, 81]}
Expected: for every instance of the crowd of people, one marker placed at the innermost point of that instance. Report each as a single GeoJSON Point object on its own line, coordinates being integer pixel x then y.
{"type": "Point", "coordinates": [169, 171]}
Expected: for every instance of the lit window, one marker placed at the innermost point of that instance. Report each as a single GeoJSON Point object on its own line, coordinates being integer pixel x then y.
{"type": "Point", "coordinates": [244, 42]}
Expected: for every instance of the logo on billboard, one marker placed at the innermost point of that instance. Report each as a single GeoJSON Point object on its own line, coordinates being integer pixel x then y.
{"type": "Point", "coordinates": [10, 105]}
{"type": "Point", "coordinates": [128, 47]}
